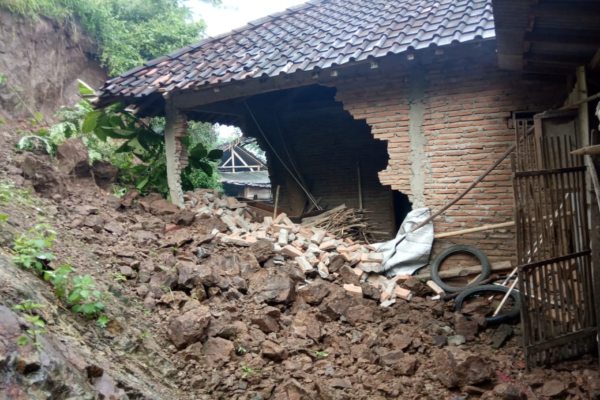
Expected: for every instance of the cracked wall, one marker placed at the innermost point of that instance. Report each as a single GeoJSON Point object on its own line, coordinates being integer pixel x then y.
{"type": "Point", "coordinates": [445, 121]}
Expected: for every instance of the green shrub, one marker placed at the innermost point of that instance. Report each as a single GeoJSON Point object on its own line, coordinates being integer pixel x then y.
{"type": "Point", "coordinates": [59, 278]}
{"type": "Point", "coordinates": [37, 324]}
{"type": "Point", "coordinates": [145, 140]}
{"type": "Point", "coordinates": [128, 32]}
{"type": "Point", "coordinates": [84, 298]}
{"type": "Point", "coordinates": [32, 248]}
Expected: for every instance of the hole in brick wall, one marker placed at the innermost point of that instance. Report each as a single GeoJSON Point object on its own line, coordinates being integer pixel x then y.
{"type": "Point", "coordinates": [311, 142]}
{"type": "Point", "coordinates": [329, 150]}
{"type": "Point", "coordinates": [243, 167]}
{"type": "Point", "coordinates": [402, 206]}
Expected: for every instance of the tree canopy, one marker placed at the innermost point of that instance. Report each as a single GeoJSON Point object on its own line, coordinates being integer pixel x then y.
{"type": "Point", "coordinates": [128, 32]}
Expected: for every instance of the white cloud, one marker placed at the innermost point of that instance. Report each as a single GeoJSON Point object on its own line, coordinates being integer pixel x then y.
{"type": "Point", "coordinates": [232, 14]}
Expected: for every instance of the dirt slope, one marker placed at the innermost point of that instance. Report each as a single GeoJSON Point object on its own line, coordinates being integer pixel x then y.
{"type": "Point", "coordinates": [40, 62]}
{"type": "Point", "coordinates": [195, 318]}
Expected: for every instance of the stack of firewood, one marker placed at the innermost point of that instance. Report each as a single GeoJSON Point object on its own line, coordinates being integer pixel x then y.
{"type": "Point", "coordinates": [342, 221]}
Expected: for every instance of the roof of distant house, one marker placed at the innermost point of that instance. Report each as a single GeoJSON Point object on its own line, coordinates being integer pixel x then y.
{"type": "Point", "coordinates": [314, 36]}
{"type": "Point", "coordinates": [250, 178]}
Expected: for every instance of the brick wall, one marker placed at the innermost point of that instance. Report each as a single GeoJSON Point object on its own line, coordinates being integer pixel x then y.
{"type": "Point", "coordinates": [467, 101]}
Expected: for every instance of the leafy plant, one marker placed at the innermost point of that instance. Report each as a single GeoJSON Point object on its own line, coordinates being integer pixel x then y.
{"type": "Point", "coordinates": [4, 217]}
{"type": "Point", "coordinates": [33, 248]}
{"type": "Point", "coordinates": [27, 306]}
{"type": "Point", "coordinates": [38, 326]}
{"type": "Point", "coordinates": [119, 191]}
{"type": "Point", "coordinates": [37, 143]}
{"type": "Point", "coordinates": [84, 298]}
{"type": "Point", "coordinates": [59, 279]}
{"type": "Point", "coordinates": [145, 140]}
{"type": "Point", "coordinates": [9, 193]}
{"type": "Point", "coordinates": [119, 277]}
{"type": "Point", "coordinates": [247, 371]}
{"type": "Point", "coordinates": [145, 335]}
{"type": "Point", "coordinates": [103, 321]}
{"type": "Point", "coordinates": [321, 354]}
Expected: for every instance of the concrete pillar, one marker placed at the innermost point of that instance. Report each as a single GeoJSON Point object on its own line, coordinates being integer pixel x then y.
{"type": "Point", "coordinates": [175, 129]}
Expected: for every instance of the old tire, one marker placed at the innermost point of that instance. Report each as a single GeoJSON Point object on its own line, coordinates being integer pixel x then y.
{"type": "Point", "coordinates": [486, 269]}
{"type": "Point", "coordinates": [486, 290]}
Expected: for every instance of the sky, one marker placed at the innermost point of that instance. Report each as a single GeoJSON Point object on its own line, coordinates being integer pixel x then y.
{"type": "Point", "coordinates": [233, 14]}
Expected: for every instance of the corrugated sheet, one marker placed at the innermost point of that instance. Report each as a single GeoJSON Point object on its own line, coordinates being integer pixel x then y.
{"type": "Point", "coordinates": [317, 35]}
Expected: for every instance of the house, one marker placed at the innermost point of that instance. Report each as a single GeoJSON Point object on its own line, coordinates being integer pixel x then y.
{"type": "Point", "coordinates": [388, 104]}
{"type": "Point", "coordinates": [244, 174]}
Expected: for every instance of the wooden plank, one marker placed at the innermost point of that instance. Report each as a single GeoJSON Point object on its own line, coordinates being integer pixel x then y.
{"type": "Point", "coordinates": [324, 215]}
{"type": "Point", "coordinates": [523, 174]}
{"type": "Point", "coordinates": [478, 229]}
{"type": "Point", "coordinates": [465, 271]}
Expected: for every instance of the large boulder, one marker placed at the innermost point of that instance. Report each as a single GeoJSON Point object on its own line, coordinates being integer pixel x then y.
{"type": "Point", "coordinates": [104, 173]}
{"type": "Point", "coordinates": [217, 350]}
{"type": "Point", "coordinates": [44, 178]}
{"type": "Point", "coordinates": [272, 286]}
{"type": "Point", "coordinates": [73, 159]}
{"type": "Point", "coordinates": [189, 327]}
{"type": "Point", "coordinates": [313, 293]}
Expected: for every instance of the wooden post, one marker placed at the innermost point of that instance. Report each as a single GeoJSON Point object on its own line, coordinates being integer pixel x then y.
{"type": "Point", "coordinates": [360, 196]}
{"type": "Point", "coordinates": [276, 201]}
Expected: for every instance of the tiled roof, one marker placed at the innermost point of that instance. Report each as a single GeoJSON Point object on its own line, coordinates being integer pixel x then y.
{"type": "Point", "coordinates": [316, 35]}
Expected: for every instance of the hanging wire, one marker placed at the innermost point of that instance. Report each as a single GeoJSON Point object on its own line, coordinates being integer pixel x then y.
{"type": "Point", "coordinates": [310, 196]}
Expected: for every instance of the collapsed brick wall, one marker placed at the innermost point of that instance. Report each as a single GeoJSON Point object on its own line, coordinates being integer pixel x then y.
{"type": "Point", "coordinates": [458, 108]}
{"type": "Point", "coordinates": [326, 149]}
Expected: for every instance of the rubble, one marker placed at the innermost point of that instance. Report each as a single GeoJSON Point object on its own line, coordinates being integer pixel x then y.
{"type": "Point", "coordinates": [313, 250]}
{"type": "Point", "coordinates": [245, 312]}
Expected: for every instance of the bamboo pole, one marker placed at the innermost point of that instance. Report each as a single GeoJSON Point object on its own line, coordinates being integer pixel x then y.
{"type": "Point", "coordinates": [590, 150]}
{"type": "Point", "coordinates": [468, 189]}
{"type": "Point", "coordinates": [593, 176]}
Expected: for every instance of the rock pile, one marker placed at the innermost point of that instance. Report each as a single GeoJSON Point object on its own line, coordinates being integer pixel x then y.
{"type": "Point", "coordinates": [315, 251]}
{"type": "Point", "coordinates": [273, 309]}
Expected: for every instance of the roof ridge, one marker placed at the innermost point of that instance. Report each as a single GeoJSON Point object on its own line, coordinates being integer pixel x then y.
{"type": "Point", "coordinates": [250, 25]}
{"type": "Point", "coordinates": [317, 34]}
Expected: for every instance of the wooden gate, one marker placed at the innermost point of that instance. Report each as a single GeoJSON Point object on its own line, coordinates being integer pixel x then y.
{"type": "Point", "coordinates": [553, 246]}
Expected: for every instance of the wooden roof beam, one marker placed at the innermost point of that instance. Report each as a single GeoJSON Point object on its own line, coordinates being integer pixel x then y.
{"type": "Point", "coordinates": [564, 36]}
{"type": "Point", "coordinates": [574, 8]}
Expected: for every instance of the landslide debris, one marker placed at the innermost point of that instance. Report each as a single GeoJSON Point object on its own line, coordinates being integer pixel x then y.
{"type": "Point", "coordinates": [214, 301]}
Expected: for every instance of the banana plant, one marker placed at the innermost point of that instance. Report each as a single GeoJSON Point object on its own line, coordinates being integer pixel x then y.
{"type": "Point", "coordinates": [146, 142]}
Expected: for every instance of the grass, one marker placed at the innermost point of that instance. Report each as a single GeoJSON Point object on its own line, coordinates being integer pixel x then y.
{"type": "Point", "coordinates": [10, 194]}
{"type": "Point", "coordinates": [35, 8]}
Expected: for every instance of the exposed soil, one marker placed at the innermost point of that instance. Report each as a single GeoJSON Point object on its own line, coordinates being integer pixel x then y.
{"type": "Point", "coordinates": [197, 318]}
{"type": "Point", "coordinates": [40, 62]}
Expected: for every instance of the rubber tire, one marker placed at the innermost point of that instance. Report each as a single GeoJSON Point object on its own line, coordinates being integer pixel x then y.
{"type": "Point", "coordinates": [510, 315]}
{"type": "Point", "coordinates": [486, 268]}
